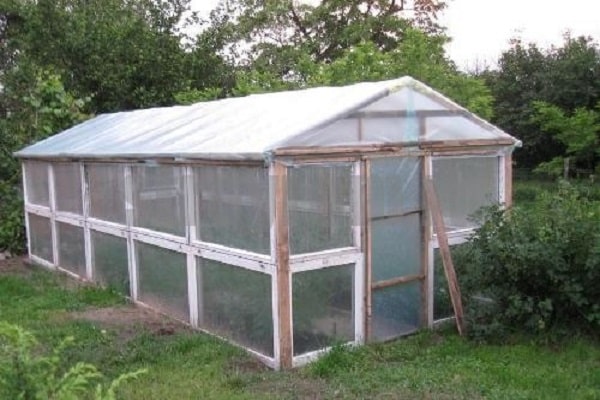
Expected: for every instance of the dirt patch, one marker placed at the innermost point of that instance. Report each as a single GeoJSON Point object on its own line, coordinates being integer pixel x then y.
{"type": "Point", "coordinates": [294, 385]}
{"type": "Point", "coordinates": [128, 321]}
{"type": "Point", "coordinates": [15, 266]}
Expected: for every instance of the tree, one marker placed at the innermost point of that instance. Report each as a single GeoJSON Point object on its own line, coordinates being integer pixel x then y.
{"type": "Point", "coordinates": [37, 106]}
{"type": "Point", "coordinates": [125, 54]}
{"type": "Point", "coordinates": [567, 76]}
{"type": "Point", "coordinates": [275, 36]}
{"type": "Point", "coordinates": [579, 133]}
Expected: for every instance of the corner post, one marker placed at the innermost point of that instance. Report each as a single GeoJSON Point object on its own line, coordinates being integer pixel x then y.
{"type": "Point", "coordinates": [283, 275]}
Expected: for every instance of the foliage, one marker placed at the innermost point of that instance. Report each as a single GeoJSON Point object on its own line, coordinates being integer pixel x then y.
{"type": "Point", "coordinates": [123, 54]}
{"type": "Point", "coordinates": [36, 105]}
{"type": "Point", "coordinates": [534, 269]}
{"type": "Point", "coordinates": [579, 134]}
{"type": "Point", "coordinates": [566, 76]}
{"type": "Point", "coordinates": [418, 55]}
{"type": "Point", "coordinates": [25, 374]}
{"type": "Point", "coordinates": [274, 36]}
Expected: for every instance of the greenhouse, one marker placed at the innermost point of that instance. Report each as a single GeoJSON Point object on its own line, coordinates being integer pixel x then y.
{"type": "Point", "coordinates": [285, 223]}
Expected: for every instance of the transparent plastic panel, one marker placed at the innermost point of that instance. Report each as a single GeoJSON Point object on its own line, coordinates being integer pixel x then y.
{"type": "Point", "coordinates": [159, 198]}
{"type": "Point", "coordinates": [395, 186]}
{"type": "Point", "coordinates": [405, 99]}
{"type": "Point", "coordinates": [390, 130]}
{"type": "Point", "coordinates": [322, 307]}
{"type": "Point", "coordinates": [40, 236]}
{"type": "Point", "coordinates": [107, 192]}
{"type": "Point", "coordinates": [442, 304]}
{"type": "Point", "coordinates": [110, 262]}
{"type": "Point", "coordinates": [67, 183]}
{"type": "Point", "coordinates": [236, 303]}
{"type": "Point", "coordinates": [319, 207]}
{"type": "Point", "coordinates": [457, 128]}
{"type": "Point", "coordinates": [71, 248]}
{"type": "Point", "coordinates": [396, 247]}
{"type": "Point", "coordinates": [232, 207]}
{"type": "Point", "coordinates": [37, 183]}
{"type": "Point", "coordinates": [464, 185]}
{"type": "Point", "coordinates": [162, 280]}
{"type": "Point", "coordinates": [396, 310]}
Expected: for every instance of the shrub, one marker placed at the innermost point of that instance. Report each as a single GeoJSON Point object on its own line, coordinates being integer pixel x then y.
{"type": "Point", "coordinates": [534, 268]}
{"type": "Point", "coordinates": [27, 374]}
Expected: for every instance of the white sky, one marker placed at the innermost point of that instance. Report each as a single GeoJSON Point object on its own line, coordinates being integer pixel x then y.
{"type": "Point", "coordinates": [480, 29]}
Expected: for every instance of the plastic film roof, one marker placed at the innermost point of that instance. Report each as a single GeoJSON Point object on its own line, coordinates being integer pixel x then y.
{"type": "Point", "coordinates": [252, 127]}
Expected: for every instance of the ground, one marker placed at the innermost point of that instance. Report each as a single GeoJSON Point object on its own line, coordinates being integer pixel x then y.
{"type": "Point", "coordinates": [183, 364]}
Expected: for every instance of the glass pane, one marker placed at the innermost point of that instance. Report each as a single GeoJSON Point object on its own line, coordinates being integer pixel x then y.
{"type": "Point", "coordinates": [395, 186]}
{"type": "Point", "coordinates": [319, 207]}
{"type": "Point", "coordinates": [236, 303]}
{"type": "Point", "coordinates": [233, 207]}
{"type": "Point", "coordinates": [67, 182]}
{"type": "Point", "coordinates": [396, 247]}
{"type": "Point", "coordinates": [158, 198]}
{"type": "Point", "coordinates": [396, 310]}
{"type": "Point", "coordinates": [463, 186]}
{"type": "Point", "coordinates": [71, 248]}
{"type": "Point", "coordinates": [37, 183]}
{"type": "Point", "coordinates": [107, 192]}
{"type": "Point", "coordinates": [323, 308]}
{"type": "Point", "coordinates": [40, 235]}
{"type": "Point", "coordinates": [110, 262]}
{"type": "Point", "coordinates": [162, 276]}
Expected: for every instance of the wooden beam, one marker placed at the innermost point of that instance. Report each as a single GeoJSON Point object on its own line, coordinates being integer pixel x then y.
{"type": "Point", "coordinates": [367, 245]}
{"type": "Point", "coordinates": [508, 201]}
{"type": "Point", "coordinates": [396, 281]}
{"type": "Point", "coordinates": [409, 114]}
{"type": "Point", "coordinates": [426, 293]}
{"type": "Point", "coordinates": [283, 272]}
{"type": "Point", "coordinates": [434, 145]}
{"type": "Point", "coordinates": [440, 228]}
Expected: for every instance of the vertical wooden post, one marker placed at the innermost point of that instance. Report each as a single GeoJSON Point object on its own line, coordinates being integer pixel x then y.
{"type": "Point", "coordinates": [129, 217]}
{"type": "Point", "coordinates": [426, 292]}
{"type": "Point", "coordinates": [358, 241]}
{"type": "Point", "coordinates": [53, 223]}
{"type": "Point", "coordinates": [366, 188]}
{"type": "Point", "coordinates": [26, 199]}
{"type": "Point", "coordinates": [440, 228]}
{"type": "Point", "coordinates": [284, 310]}
{"type": "Point", "coordinates": [508, 180]}
{"type": "Point", "coordinates": [87, 234]}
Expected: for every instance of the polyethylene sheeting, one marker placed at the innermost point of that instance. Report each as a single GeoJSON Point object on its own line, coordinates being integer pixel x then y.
{"type": "Point", "coordinates": [463, 186]}
{"type": "Point", "coordinates": [236, 303]}
{"type": "Point", "coordinates": [323, 308]}
{"type": "Point", "coordinates": [71, 248]}
{"type": "Point", "coordinates": [110, 262]}
{"type": "Point", "coordinates": [67, 183]}
{"type": "Point", "coordinates": [37, 183]}
{"type": "Point", "coordinates": [232, 207]}
{"type": "Point", "coordinates": [40, 237]}
{"type": "Point", "coordinates": [107, 191]}
{"type": "Point", "coordinates": [320, 216]}
{"type": "Point", "coordinates": [163, 280]}
{"type": "Point", "coordinates": [252, 127]}
{"type": "Point", "coordinates": [159, 198]}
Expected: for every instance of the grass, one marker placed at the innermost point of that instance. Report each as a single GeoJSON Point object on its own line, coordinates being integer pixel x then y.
{"type": "Point", "coordinates": [186, 365]}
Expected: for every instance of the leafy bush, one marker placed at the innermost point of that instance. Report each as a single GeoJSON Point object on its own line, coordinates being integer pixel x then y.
{"type": "Point", "coordinates": [534, 268]}
{"type": "Point", "coordinates": [25, 374]}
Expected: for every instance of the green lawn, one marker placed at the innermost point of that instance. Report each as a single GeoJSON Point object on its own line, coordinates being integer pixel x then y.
{"type": "Point", "coordinates": [187, 365]}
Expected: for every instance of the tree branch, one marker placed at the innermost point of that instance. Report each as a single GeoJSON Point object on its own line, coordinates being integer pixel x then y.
{"type": "Point", "coordinates": [298, 22]}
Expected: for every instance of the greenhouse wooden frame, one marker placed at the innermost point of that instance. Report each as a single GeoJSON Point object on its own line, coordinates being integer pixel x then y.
{"type": "Point", "coordinates": [285, 251]}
